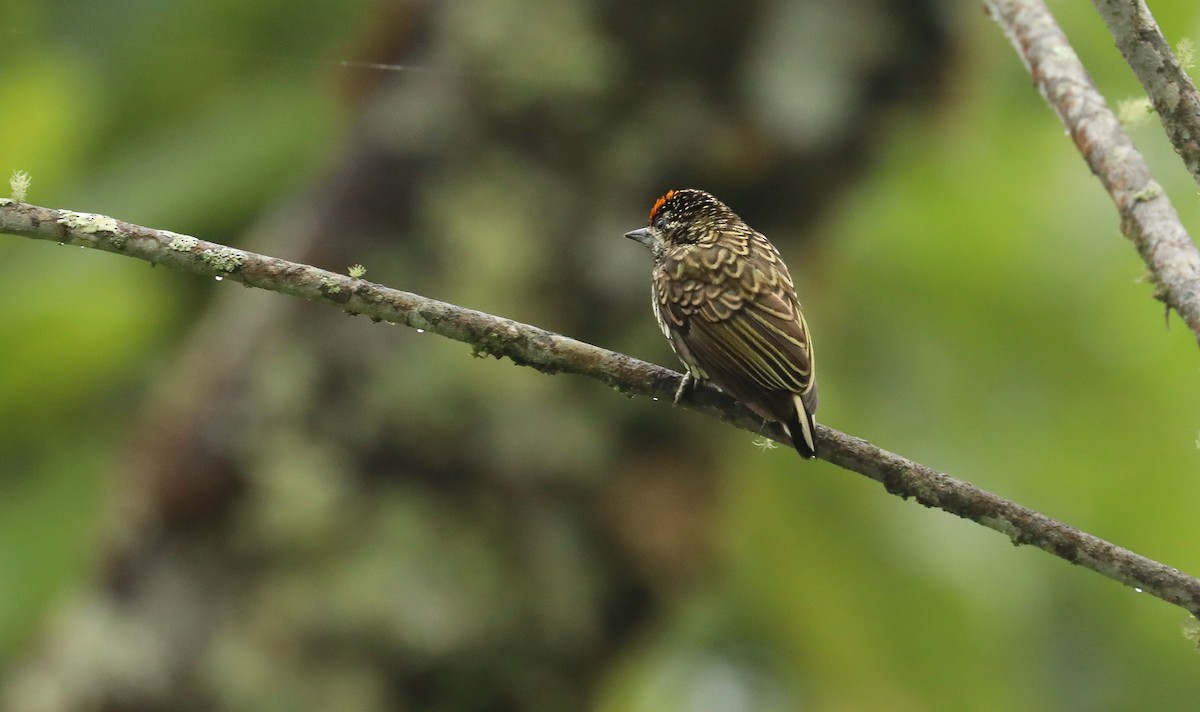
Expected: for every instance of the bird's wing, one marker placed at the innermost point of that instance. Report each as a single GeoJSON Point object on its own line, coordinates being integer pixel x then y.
{"type": "Point", "coordinates": [738, 318]}
{"type": "Point", "coordinates": [764, 337]}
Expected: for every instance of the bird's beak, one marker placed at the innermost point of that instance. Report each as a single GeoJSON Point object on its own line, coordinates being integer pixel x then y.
{"type": "Point", "coordinates": [642, 235]}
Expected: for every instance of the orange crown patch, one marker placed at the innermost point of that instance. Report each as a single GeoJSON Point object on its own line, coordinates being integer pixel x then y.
{"type": "Point", "coordinates": [659, 203]}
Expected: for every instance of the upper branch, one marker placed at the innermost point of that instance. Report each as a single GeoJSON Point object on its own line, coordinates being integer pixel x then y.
{"type": "Point", "coordinates": [1147, 216]}
{"type": "Point", "coordinates": [1168, 86]}
{"type": "Point", "coordinates": [549, 352]}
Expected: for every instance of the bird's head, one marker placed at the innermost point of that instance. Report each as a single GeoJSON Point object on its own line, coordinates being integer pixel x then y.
{"type": "Point", "coordinates": [682, 217]}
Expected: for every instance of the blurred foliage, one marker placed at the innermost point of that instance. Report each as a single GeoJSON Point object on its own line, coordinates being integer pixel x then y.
{"type": "Point", "coordinates": [974, 305]}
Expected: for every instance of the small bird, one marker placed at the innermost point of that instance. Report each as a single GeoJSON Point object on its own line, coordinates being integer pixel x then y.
{"type": "Point", "coordinates": [727, 304]}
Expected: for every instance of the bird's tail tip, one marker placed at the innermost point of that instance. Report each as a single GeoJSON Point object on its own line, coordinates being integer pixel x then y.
{"type": "Point", "coordinates": [803, 431]}
{"type": "Point", "coordinates": [802, 438]}
{"type": "Point", "coordinates": [806, 449]}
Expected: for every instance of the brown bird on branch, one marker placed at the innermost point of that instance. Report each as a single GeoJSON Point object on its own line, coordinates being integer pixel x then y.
{"type": "Point", "coordinates": [727, 304]}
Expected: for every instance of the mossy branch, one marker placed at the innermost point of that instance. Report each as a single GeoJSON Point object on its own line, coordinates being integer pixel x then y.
{"type": "Point", "coordinates": [552, 353]}
{"type": "Point", "coordinates": [1147, 216]}
{"type": "Point", "coordinates": [1161, 73]}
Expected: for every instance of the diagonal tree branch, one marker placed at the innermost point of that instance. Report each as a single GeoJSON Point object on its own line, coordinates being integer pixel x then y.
{"type": "Point", "coordinates": [552, 353]}
{"type": "Point", "coordinates": [1169, 87]}
{"type": "Point", "coordinates": [1147, 216]}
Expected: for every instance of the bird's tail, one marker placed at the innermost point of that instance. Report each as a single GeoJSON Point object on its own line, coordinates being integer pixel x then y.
{"type": "Point", "coordinates": [803, 431]}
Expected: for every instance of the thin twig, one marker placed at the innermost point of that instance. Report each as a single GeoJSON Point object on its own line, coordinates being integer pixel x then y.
{"type": "Point", "coordinates": [1147, 216]}
{"type": "Point", "coordinates": [552, 353]}
{"type": "Point", "coordinates": [1169, 87]}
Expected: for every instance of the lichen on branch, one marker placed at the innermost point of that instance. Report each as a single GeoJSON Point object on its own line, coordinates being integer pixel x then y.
{"type": "Point", "coordinates": [554, 353]}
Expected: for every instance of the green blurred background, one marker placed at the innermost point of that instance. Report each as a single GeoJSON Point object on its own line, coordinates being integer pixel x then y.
{"type": "Point", "coordinates": [212, 498]}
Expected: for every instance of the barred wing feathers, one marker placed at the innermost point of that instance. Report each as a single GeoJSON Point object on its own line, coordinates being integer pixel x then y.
{"type": "Point", "coordinates": [731, 313]}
